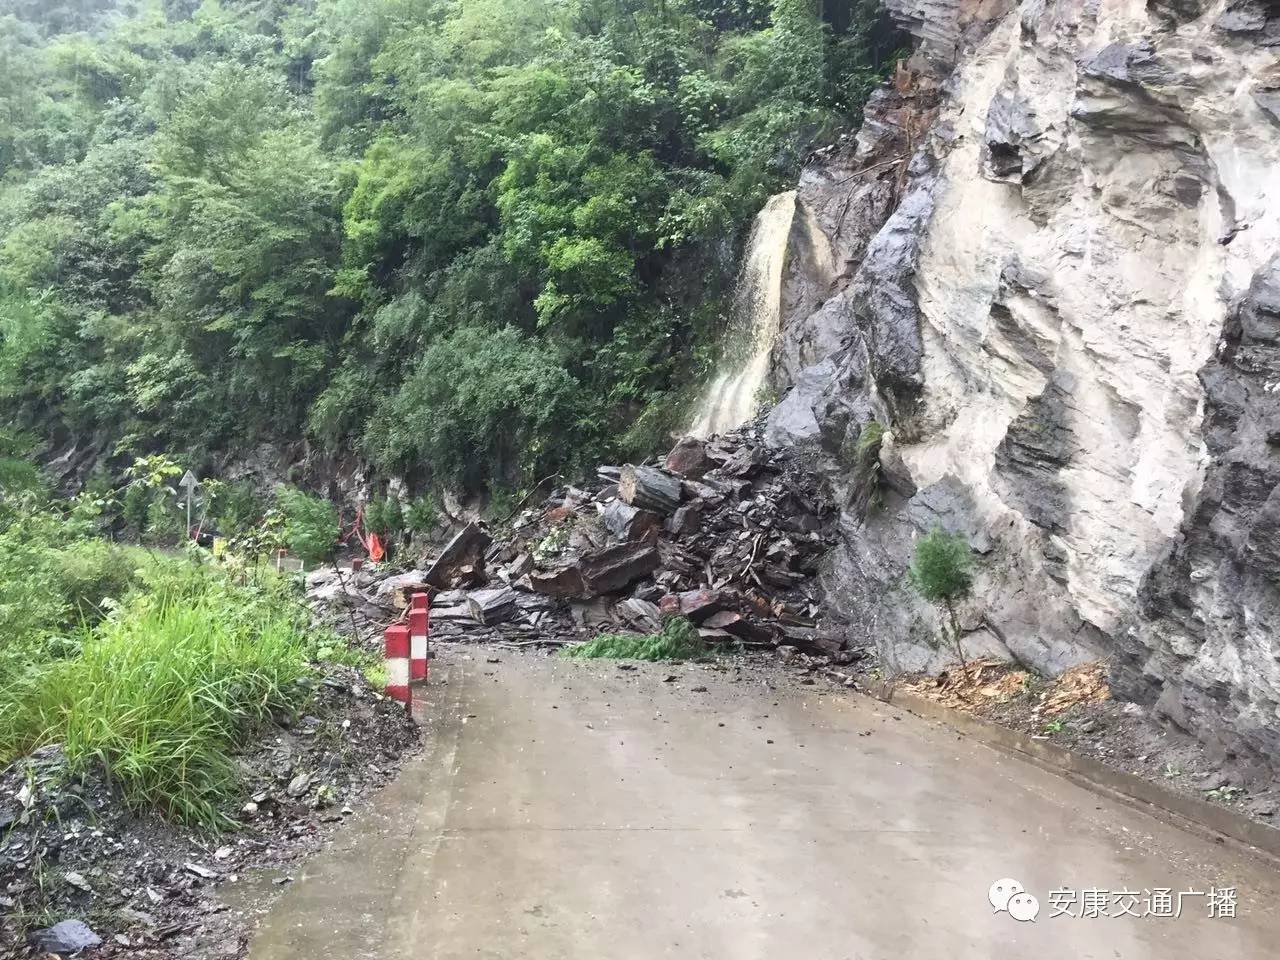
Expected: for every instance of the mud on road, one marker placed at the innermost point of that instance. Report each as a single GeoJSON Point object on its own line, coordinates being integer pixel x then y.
{"type": "Point", "coordinates": [598, 809]}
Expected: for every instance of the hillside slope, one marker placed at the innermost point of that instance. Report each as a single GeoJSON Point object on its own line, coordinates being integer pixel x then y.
{"type": "Point", "coordinates": [469, 244]}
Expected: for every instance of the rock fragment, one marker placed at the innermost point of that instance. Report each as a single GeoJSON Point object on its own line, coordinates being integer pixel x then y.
{"type": "Point", "coordinates": [461, 562]}
{"type": "Point", "coordinates": [648, 488]}
{"type": "Point", "coordinates": [66, 937]}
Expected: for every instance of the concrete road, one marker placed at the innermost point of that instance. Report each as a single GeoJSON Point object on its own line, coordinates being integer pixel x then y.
{"type": "Point", "coordinates": [577, 810]}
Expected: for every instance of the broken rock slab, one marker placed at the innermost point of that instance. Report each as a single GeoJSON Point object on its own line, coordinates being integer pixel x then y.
{"type": "Point", "coordinates": [638, 613]}
{"type": "Point", "coordinates": [518, 567]}
{"type": "Point", "coordinates": [615, 568]}
{"type": "Point", "coordinates": [685, 521]}
{"type": "Point", "coordinates": [563, 581]}
{"type": "Point", "coordinates": [689, 458]}
{"type": "Point", "coordinates": [698, 605]}
{"type": "Point", "coordinates": [461, 562]}
{"type": "Point", "coordinates": [739, 627]}
{"type": "Point", "coordinates": [320, 577]}
{"type": "Point", "coordinates": [454, 613]}
{"type": "Point", "coordinates": [494, 606]}
{"type": "Point", "coordinates": [648, 488]}
{"type": "Point", "coordinates": [328, 592]}
{"type": "Point", "coordinates": [744, 540]}
{"type": "Point", "coordinates": [626, 522]}
{"type": "Point", "coordinates": [747, 462]}
{"type": "Point", "coordinates": [604, 571]}
{"type": "Point", "coordinates": [397, 588]}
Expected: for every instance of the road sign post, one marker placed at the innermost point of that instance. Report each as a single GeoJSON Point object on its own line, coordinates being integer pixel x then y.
{"type": "Point", "coordinates": [189, 484]}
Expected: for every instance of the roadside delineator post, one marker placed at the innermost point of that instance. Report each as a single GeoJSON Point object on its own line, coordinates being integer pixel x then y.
{"type": "Point", "coordinates": [419, 614]}
{"type": "Point", "coordinates": [397, 661]}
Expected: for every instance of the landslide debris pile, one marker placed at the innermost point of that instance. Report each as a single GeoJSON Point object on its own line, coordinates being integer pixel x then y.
{"type": "Point", "coordinates": [729, 533]}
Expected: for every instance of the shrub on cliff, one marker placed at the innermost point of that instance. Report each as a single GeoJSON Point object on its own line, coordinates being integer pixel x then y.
{"type": "Point", "coordinates": [941, 573]}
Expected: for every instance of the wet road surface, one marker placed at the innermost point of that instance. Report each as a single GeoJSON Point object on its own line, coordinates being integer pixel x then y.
{"type": "Point", "coordinates": [577, 810]}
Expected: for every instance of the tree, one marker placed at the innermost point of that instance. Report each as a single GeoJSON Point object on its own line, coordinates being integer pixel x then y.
{"type": "Point", "coordinates": [232, 223]}
{"type": "Point", "coordinates": [480, 407]}
{"type": "Point", "coordinates": [940, 573]}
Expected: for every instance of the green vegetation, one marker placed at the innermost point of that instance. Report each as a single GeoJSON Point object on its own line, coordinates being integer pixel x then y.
{"type": "Point", "coordinates": [677, 640]}
{"type": "Point", "coordinates": [232, 509]}
{"type": "Point", "coordinates": [1224, 794]}
{"type": "Point", "coordinates": [52, 581]}
{"type": "Point", "coordinates": [149, 504]}
{"type": "Point", "coordinates": [941, 573]}
{"type": "Point", "coordinates": [474, 242]}
{"type": "Point", "coordinates": [867, 471]}
{"type": "Point", "coordinates": [152, 667]}
{"type": "Point", "coordinates": [469, 243]}
{"type": "Point", "coordinates": [550, 546]}
{"type": "Point", "coordinates": [164, 688]}
{"type": "Point", "coordinates": [19, 478]}
{"type": "Point", "coordinates": [384, 516]}
{"type": "Point", "coordinates": [869, 441]}
{"type": "Point", "coordinates": [422, 515]}
{"type": "Point", "coordinates": [310, 525]}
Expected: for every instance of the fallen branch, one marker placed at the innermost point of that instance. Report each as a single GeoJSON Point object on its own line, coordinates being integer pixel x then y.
{"type": "Point", "coordinates": [349, 603]}
{"type": "Point", "coordinates": [525, 499]}
{"type": "Point", "coordinates": [874, 166]}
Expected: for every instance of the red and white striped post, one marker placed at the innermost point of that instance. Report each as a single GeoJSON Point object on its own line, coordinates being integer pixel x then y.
{"type": "Point", "coordinates": [397, 655]}
{"type": "Point", "coordinates": [419, 613]}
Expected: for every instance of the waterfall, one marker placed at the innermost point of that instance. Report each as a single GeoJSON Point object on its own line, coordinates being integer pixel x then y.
{"type": "Point", "coordinates": [732, 397]}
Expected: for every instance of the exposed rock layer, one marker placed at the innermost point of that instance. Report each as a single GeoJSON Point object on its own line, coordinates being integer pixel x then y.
{"type": "Point", "coordinates": [1050, 256]}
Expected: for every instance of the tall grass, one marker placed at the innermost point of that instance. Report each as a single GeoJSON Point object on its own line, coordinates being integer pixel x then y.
{"type": "Point", "coordinates": [165, 688]}
{"type": "Point", "coordinates": [677, 640]}
{"type": "Point", "coordinates": [51, 581]}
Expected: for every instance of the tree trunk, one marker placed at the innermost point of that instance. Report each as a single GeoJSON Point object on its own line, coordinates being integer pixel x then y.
{"type": "Point", "coordinates": [955, 637]}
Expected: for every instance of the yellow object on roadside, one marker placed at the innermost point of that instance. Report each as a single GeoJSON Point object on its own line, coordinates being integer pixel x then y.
{"type": "Point", "coordinates": [219, 547]}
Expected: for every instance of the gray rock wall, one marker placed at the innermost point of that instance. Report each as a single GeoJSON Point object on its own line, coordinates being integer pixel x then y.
{"type": "Point", "coordinates": [1049, 262]}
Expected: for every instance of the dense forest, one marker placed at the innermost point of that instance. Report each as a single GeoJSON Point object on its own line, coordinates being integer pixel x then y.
{"type": "Point", "coordinates": [469, 242]}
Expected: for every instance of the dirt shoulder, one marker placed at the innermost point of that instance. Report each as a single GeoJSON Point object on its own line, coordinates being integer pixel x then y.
{"type": "Point", "coordinates": [1076, 711]}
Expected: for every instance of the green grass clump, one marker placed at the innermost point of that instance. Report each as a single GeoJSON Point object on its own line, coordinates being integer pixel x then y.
{"type": "Point", "coordinates": [311, 525]}
{"type": "Point", "coordinates": [52, 579]}
{"type": "Point", "coordinates": [165, 688]}
{"type": "Point", "coordinates": [677, 640]}
{"type": "Point", "coordinates": [869, 441]}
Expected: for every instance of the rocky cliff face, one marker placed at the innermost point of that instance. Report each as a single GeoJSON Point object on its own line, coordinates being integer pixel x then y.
{"type": "Point", "coordinates": [1049, 266]}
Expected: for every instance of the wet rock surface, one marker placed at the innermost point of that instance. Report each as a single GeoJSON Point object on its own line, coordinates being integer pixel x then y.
{"type": "Point", "coordinates": [1054, 240]}
{"type": "Point", "coordinates": [77, 866]}
{"type": "Point", "coordinates": [1212, 606]}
